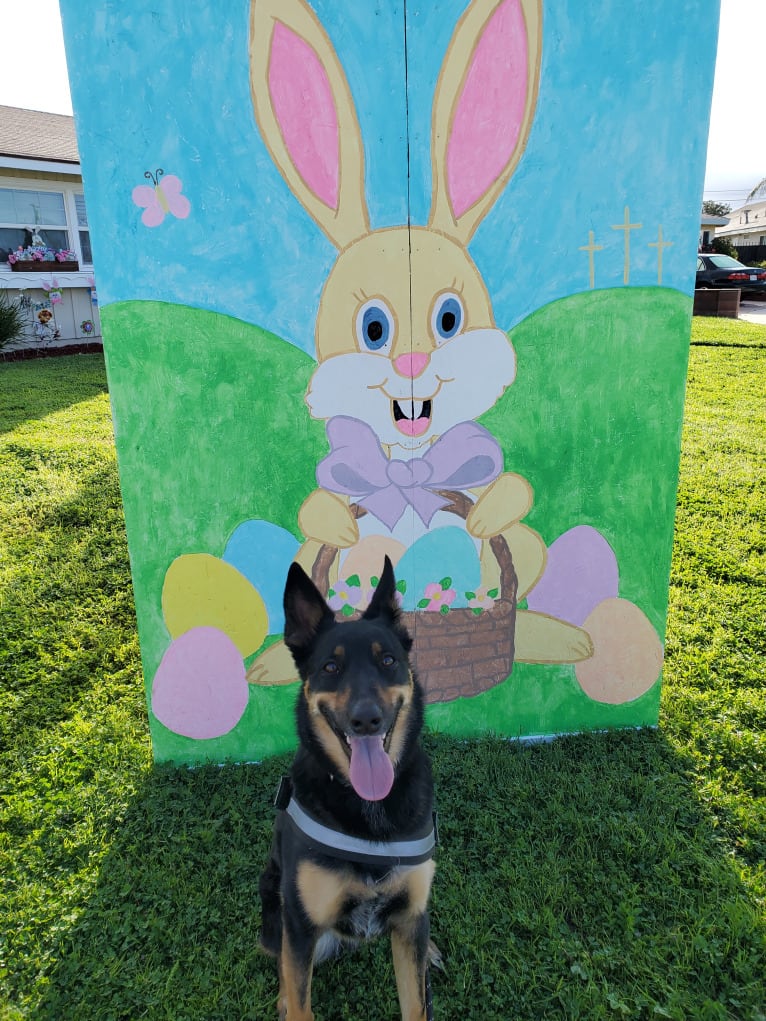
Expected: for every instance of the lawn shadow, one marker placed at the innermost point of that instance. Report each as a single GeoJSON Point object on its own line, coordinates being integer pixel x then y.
{"type": "Point", "coordinates": [68, 612]}
{"type": "Point", "coordinates": [38, 387]}
{"type": "Point", "coordinates": [581, 879]}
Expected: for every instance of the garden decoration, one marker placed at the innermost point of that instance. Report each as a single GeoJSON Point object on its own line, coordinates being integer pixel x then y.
{"type": "Point", "coordinates": [368, 315]}
{"type": "Point", "coordinates": [40, 259]}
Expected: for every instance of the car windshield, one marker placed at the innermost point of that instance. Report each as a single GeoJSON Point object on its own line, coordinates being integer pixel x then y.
{"type": "Point", "coordinates": [725, 262]}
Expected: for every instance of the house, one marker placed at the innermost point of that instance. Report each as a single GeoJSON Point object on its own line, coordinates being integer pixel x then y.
{"type": "Point", "coordinates": [747, 231]}
{"type": "Point", "coordinates": [710, 227]}
{"type": "Point", "coordinates": [42, 206]}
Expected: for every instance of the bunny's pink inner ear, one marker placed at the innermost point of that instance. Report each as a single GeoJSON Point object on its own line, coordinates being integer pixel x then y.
{"type": "Point", "coordinates": [489, 114]}
{"type": "Point", "coordinates": [303, 105]}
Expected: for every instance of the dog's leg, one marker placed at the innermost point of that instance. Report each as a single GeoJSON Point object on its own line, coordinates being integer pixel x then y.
{"type": "Point", "coordinates": [271, 909]}
{"type": "Point", "coordinates": [295, 968]}
{"type": "Point", "coordinates": [409, 943]}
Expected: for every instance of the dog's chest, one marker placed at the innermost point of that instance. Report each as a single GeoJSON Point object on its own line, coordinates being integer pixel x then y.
{"type": "Point", "coordinates": [367, 914]}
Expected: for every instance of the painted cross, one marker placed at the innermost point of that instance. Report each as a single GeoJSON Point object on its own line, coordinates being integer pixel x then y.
{"type": "Point", "coordinates": [590, 248]}
{"type": "Point", "coordinates": [627, 226]}
{"type": "Point", "coordinates": [660, 244]}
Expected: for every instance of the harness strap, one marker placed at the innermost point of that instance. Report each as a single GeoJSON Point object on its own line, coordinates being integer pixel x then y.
{"type": "Point", "coordinates": [337, 844]}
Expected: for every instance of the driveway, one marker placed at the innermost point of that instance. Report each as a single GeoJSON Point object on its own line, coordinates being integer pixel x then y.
{"type": "Point", "coordinates": [753, 311]}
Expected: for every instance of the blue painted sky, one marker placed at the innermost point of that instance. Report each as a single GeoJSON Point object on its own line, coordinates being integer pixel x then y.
{"type": "Point", "coordinates": [621, 120]}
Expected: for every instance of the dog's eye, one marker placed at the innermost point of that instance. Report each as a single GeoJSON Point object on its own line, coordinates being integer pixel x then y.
{"type": "Point", "coordinates": [331, 667]}
{"type": "Point", "coordinates": [387, 659]}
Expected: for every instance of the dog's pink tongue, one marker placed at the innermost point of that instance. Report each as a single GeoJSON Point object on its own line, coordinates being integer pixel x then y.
{"type": "Point", "coordinates": [371, 773]}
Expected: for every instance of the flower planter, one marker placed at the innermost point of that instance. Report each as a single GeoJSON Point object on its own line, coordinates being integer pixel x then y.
{"type": "Point", "coordinates": [723, 303]}
{"type": "Point", "coordinates": [36, 266]}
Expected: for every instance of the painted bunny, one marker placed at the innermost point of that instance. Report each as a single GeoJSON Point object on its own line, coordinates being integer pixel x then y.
{"type": "Point", "coordinates": [408, 351]}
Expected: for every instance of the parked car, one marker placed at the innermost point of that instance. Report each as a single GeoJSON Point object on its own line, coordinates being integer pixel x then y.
{"type": "Point", "coordinates": [723, 271]}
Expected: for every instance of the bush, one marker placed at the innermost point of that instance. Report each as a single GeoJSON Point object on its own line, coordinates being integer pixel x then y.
{"type": "Point", "coordinates": [11, 321]}
{"type": "Point", "coordinates": [724, 247]}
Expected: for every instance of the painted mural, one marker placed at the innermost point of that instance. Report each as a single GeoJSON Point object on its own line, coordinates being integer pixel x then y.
{"type": "Point", "coordinates": [397, 279]}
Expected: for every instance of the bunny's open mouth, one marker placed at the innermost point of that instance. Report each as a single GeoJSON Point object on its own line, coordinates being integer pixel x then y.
{"type": "Point", "coordinates": [411, 417]}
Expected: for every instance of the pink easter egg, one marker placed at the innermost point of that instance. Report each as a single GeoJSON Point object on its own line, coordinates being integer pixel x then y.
{"type": "Point", "coordinates": [200, 689]}
{"type": "Point", "coordinates": [627, 656]}
{"type": "Point", "coordinates": [581, 572]}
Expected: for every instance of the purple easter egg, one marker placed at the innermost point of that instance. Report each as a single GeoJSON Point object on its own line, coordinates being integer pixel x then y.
{"type": "Point", "coordinates": [200, 689]}
{"type": "Point", "coordinates": [580, 573]}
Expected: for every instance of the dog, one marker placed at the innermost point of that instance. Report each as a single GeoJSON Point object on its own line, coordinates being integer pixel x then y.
{"type": "Point", "coordinates": [352, 854]}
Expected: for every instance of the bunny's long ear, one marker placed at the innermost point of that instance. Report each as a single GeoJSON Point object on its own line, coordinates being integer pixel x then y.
{"type": "Point", "coordinates": [483, 108]}
{"type": "Point", "coordinates": [306, 115]}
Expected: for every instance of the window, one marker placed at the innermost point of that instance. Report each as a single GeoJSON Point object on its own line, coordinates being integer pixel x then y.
{"type": "Point", "coordinates": [82, 224]}
{"type": "Point", "coordinates": [58, 218]}
{"type": "Point", "coordinates": [725, 262]}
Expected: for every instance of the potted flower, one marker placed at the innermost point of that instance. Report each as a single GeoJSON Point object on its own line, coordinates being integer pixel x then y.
{"type": "Point", "coordinates": [41, 259]}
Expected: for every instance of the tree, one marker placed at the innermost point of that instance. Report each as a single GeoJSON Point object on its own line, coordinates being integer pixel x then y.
{"type": "Point", "coordinates": [712, 208]}
{"type": "Point", "coordinates": [758, 192]}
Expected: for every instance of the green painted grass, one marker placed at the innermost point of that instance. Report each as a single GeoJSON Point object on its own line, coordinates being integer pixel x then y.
{"type": "Point", "coordinates": [602, 876]}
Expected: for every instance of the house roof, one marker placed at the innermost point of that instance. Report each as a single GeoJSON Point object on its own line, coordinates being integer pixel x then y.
{"type": "Point", "coordinates": [34, 135]}
{"type": "Point", "coordinates": [748, 219]}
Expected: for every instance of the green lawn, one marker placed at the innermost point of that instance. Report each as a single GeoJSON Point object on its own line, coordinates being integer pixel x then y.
{"type": "Point", "coordinates": [603, 876]}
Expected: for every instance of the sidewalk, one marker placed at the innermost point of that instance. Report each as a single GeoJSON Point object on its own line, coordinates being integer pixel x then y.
{"type": "Point", "coordinates": [753, 311]}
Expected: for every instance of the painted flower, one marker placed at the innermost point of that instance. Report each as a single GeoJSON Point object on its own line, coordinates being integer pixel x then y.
{"type": "Point", "coordinates": [482, 599]}
{"type": "Point", "coordinates": [345, 595]}
{"type": "Point", "coordinates": [401, 588]}
{"type": "Point", "coordinates": [438, 596]}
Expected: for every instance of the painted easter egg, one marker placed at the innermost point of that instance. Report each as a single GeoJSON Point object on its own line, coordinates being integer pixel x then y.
{"type": "Point", "coordinates": [263, 552]}
{"type": "Point", "coordinates": [627, 656]}
{"type": "Point", "coordinates": [365, 562]}
{"type": "Point", "coordinates": [202, 591]}
{"type": "Point", "coordinates": [200, 689]}
{"type": "Point", "coordinates": [443, 560]}
{"type": "Point", "coordinates": [580, 573]}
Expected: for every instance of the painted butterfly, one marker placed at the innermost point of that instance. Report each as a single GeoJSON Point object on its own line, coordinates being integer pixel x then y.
{"type": "Point", "coordinates": [162, 197]}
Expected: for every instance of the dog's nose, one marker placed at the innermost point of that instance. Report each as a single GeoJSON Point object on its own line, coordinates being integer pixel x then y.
{"type": "Point", "coordinates": [366, 718]}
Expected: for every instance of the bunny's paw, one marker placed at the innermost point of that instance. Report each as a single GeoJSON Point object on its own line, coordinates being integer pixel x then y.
{"type": "Point", "coordinates": [274, 666]}
{"type": "Point", "coordinates": [326, 518]}
{"type": "Point", "coordinates": [543, 639]}
{"type": "Point", "coordinates": [504, 502]}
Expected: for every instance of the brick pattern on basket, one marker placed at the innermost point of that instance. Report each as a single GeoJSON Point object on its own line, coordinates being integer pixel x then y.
{"type": "Point", "coordinates": [460, 653]}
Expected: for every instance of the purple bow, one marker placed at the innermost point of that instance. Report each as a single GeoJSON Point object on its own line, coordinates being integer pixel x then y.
{"type": "Point", "coordinates": [465, 456]}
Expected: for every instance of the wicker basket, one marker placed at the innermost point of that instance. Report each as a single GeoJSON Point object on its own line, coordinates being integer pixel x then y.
{"type": "Point", "coordinates": [460, 653]}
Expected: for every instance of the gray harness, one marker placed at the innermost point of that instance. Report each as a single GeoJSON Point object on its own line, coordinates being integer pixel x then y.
{"type": "Point", "coordinates": [416, 849]}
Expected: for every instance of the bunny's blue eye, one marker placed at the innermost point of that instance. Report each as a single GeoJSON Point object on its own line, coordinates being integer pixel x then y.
{"type": "Point", "coordinates": [374, 325]}
{"type": "Point", "coordinates": [447, 316]}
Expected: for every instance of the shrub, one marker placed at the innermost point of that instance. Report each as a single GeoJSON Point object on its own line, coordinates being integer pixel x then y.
{"type": "Point", "coordinates": [724, 247]}
{"type": "Point", "coordinates": [11, 321]}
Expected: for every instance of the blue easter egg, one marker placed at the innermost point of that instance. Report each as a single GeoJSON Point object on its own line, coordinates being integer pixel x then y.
{"type": "Point", "coordinates": [263, 552]}
{"type": "Point", "coordinates": [439, 554]}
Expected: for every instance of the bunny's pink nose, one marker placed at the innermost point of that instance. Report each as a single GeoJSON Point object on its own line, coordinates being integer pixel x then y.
{"type": "Point", "coordinates": [410, 365]}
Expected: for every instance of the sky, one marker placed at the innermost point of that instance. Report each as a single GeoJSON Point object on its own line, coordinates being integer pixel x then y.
{"type": "Point", "coordinates": [33, 75]}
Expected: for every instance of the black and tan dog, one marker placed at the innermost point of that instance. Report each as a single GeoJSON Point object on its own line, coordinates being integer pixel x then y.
{"type": "Point", "coordinates": [354, 839]}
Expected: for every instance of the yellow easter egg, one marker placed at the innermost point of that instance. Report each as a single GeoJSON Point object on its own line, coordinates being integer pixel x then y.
{"type": "Point", "coordinates": [365, 560]}
{"type": "Point", "coordinates": [202, 591]}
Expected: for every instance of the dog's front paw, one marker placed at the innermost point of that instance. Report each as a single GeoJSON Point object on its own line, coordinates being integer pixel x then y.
{"type": "Point", "coordinates": [326, 518]}
{"type": "Point", "coordinates": [274, 666]}
{"type": "Point", "coordinates": [503, 502]}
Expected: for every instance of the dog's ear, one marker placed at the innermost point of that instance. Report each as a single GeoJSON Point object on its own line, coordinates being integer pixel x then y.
{"type": "Point", "coordinates": [306, 612]}
{"type": "Point", "coordinates": [385, 604]}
